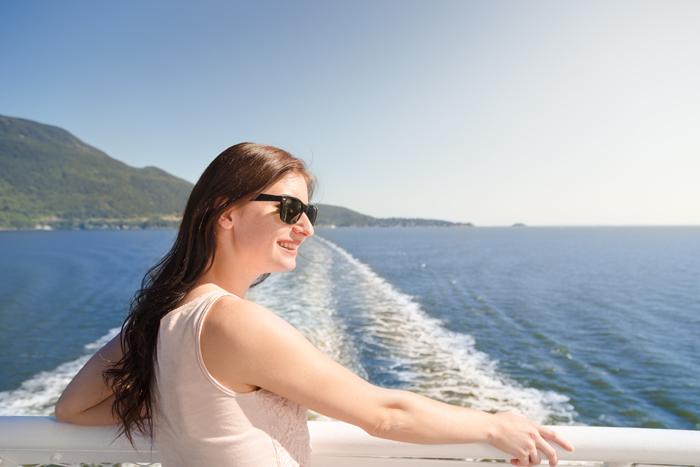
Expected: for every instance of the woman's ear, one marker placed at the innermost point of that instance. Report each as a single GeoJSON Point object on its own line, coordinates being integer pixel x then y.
{"type": "Point", "coordinates": [228, 218]}
{"type": "Point", "coordinates": [225, 220]}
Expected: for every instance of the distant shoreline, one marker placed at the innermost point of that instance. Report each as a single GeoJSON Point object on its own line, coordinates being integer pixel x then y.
{"type": "Point", "coordinates": [175, 227]}
{"type": "Point", "coordinates": [45, 228]}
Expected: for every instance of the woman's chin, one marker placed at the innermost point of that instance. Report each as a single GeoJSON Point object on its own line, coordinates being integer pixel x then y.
{"type": "Point", "coordinates": [285, 264]}
{"type": "Point", "coordinates": [287, 260]}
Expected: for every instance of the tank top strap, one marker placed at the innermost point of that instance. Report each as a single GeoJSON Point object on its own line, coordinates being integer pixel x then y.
{"type": "Point", "coordinates": [217, 293]}
{"type": "Point", "coordinates": [207, 301]}
{"type": "Point", "coordinates": [208, 298]}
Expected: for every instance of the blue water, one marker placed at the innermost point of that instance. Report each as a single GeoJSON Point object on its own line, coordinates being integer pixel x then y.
{"type": "Point", "coordinates": [589, 325]}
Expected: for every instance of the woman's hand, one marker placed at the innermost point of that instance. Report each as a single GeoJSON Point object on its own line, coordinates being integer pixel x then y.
{"type": "Point", "coordinates": [513, 433]}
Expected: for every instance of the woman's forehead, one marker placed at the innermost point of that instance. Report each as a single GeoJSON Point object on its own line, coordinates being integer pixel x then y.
{"type": "Point", "coordinates": [292, 184]}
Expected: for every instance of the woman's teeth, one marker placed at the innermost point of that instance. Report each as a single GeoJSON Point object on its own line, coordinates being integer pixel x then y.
{"type": "Point", "coordinates": [288, 246]}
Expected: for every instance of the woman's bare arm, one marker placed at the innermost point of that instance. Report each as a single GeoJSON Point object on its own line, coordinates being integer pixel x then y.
{"type": "Point", "coordinates": [99, 415]}
{"type": "Point", "coordinates": [414, 418]}
{"type": "Point", "coordinates": [418, 419]}
{"type": "Point", "coordinates": [87, 400]}
{"type": "Point", "coordinates": [264, 350]}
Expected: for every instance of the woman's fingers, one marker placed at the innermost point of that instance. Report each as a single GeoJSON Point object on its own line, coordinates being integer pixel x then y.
{"type": "Point", "coordinates": [548, 451]}
{"type": "Point", "coordinates": [539, 446]}
{"type": "Point", "coordinates": [557, 438]}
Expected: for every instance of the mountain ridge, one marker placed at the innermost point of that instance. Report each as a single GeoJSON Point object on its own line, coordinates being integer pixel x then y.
{"type": "Point", "coordinates": [50, 179]}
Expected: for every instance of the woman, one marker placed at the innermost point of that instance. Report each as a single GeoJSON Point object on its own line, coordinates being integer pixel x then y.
{"type": "Point", "coordinates": [216, 379]}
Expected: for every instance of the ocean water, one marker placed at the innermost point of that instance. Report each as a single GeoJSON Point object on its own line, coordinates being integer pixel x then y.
{"type": "Point", "coordinates": [587, 325]}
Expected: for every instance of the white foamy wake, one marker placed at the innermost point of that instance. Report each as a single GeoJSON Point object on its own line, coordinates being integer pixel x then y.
{"type": "Point", "coordinates": [434, 361]}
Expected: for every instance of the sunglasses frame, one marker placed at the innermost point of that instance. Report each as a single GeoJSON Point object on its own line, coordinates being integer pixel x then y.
{"type": "Point", "coordinates": [311, 210]}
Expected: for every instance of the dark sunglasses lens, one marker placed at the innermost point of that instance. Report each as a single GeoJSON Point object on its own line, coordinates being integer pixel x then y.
{"type": "Point", "coordinates": [291, 210]}
{"type": "Point", "coordinates": [312, 213]}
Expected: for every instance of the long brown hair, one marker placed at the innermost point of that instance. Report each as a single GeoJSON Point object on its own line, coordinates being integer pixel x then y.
{"type": "Point", "coordinates": [235, 174]}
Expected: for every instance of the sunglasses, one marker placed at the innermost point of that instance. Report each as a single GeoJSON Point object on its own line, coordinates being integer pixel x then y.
{"type": "Point", "coordinates": [291, 208]}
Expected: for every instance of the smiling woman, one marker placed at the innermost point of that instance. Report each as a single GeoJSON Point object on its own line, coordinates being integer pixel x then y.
{"type": "Point", "coordinates": [226, 243]}
{"type": "Point", "coordinates": [220, 380]}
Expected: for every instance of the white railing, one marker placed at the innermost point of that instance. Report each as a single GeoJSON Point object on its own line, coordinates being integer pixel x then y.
{"type": "Point", "coordinates": [43, 440]}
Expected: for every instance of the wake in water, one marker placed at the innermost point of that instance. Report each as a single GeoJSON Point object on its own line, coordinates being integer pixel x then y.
{"type": "Point", "coordinates": [350, 313]}
{"type": "Point", "coordinates": [384, 335]}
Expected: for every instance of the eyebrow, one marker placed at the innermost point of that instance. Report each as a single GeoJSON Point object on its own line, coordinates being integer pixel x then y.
{"type": "Point", "coordinates": [294, 196]}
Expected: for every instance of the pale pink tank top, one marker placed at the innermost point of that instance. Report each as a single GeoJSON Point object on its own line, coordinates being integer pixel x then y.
{"type": "Point", "coordinates": [200, 422]}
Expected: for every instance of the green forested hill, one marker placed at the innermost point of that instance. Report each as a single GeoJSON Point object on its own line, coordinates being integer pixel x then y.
{"type": "Point", "coordinates": [48, 176]}
{"type": "Point", "coordinates": [342, 217]}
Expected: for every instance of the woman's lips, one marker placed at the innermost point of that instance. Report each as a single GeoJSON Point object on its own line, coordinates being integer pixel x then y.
{"type": "Point", "coordinates": [290, 251]}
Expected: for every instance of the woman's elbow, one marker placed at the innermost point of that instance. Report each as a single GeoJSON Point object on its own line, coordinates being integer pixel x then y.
{"type": "Point", "coordinates": [388, 416]}
{"type": "Point", "coordinates": [61, 414]}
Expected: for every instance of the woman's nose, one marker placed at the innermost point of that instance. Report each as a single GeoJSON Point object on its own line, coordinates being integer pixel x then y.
{"type": "Point", "coordinates": [304, 225]}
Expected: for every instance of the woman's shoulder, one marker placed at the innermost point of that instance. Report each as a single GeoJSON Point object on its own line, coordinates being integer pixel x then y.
{"type": "Point", "coordinates": [244, 334]}
{"type": "Point", "coordinates": [231, 310]}
{"type": "Point", "coordinates": [247, 328]}
{"type": "Point", "coordinates": [220, 348]}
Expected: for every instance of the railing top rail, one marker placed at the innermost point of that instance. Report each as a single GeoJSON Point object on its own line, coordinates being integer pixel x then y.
{"type": "Point", "coordinates": [36, 439]}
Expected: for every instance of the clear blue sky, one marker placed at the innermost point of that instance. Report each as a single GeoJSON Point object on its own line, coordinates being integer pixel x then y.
{"type": "Point", "coordinates": [492, 112]}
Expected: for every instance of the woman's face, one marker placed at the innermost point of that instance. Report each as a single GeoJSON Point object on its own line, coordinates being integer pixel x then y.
{"type": "Point", "coordinates": [259, 233]}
